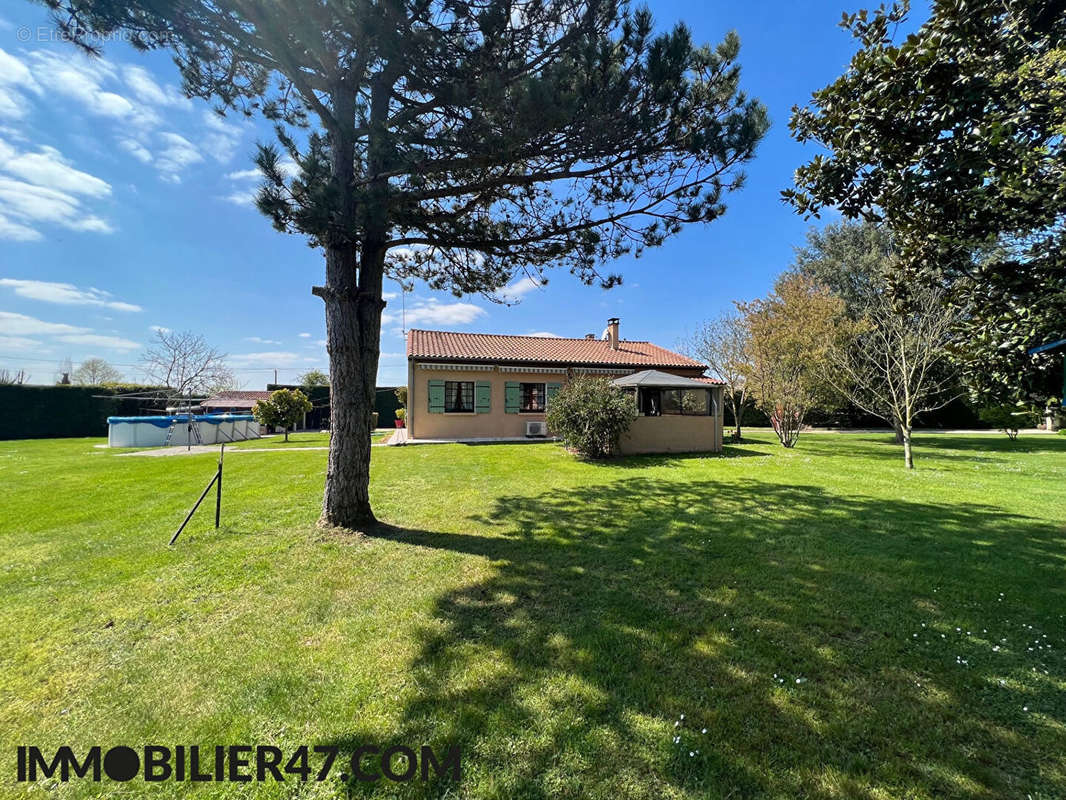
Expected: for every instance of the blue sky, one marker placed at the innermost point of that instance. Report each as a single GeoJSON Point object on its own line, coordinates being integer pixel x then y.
{"type": "Point", "coordinates": [125, 207]}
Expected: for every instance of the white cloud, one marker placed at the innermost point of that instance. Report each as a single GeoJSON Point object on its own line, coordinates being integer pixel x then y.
{"type": "Point", "coordinates": [15, 330]}
{"type": "Point", "coordinates": [98, 340]}
{"type": "Point", "coordinates": [545, 334]}
{"type": "Point", "coordinates": [48, 168]}
{"type": "Point", "coordinates": [258, 340]}
{"type": "Point", "coordinates": [147, 90]}
{"type": "Point", "coordinates": [126, 95]}
{"type": "Point", "coordinates": [20, 343]}
{"type": "Point", "coordinates": [76, 77]}
{"type": "Point", "coordinates": [158, 329]}
{"type": "Point", "coordinates": [29, 204]}
{"type": "Point", "coordinates": [17, 232]}
{"type": "Point", "coordinates": [13, 324]}
{"type": "Point", "coordinates": [433, 312]}
{"type": "Point", "coordinates": [247, 182]}
{"type": "Point", "coordinates": [519, 288]}
{"type": "Point", "coordinates": [45, 189]}
{"type": "Point", "coordinates": [177, 154]}
{"type": "Point", "coordinates": [16, 80]}
{"type": "Point", "coordinates": [244, 197]}
{"type": "Point", "coordinates": [221, 138]}
{"type": "Point", "coordinates": [136, 149]}
{"type": "Point", "coordinates": [304, 335]}
{"type": "Point", "coordinates": [66, 294]}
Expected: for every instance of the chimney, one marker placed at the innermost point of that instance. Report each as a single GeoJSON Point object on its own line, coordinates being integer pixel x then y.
{"type": "Point", "coordinates": [590, 336]}
{"type": "Point", "coordinates": [612, 332]}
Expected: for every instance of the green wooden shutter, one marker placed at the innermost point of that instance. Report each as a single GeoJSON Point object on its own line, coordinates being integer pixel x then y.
{"type": "Point", "coordinates": [483, 397]}
{"type": "Point", "coordinates": [512, 397]}
{"type": "Point", "coordinates": [436, 397]}
{"type": "Point", "coordinates": [550, 390]}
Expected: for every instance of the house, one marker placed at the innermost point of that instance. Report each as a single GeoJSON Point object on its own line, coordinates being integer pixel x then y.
{"type": "Point", "coordinates": [472, 386]}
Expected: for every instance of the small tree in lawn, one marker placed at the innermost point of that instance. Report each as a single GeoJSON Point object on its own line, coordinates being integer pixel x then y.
{"type": "Point", "coordinates": [590, 416]}
{"type": "Point", "coordinates": [453, 141]}
{"type": "Point", "coordinates": [895, 366]}
{"type": "Point", "coordinates": [723, 344]}
{"type": "Point", "coordinates": [284, 409]}
{"type": "Point", "coordinates": [790, 333]}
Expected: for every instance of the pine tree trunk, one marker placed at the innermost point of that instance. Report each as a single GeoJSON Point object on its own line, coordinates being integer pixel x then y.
{"type": "Point", "coordinates": [352, 294]}
{"type": "Point", "coordinates": [353, 328]}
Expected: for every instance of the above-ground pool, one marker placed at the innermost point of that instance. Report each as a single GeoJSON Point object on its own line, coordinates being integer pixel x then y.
{"type": "Point", "coordinates": [152, 431]}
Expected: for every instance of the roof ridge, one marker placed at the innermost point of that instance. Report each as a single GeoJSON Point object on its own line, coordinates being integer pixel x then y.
{"type": "Point", "coordinates": [527, 336]}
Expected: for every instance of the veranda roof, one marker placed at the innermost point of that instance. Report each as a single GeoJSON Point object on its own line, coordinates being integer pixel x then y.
{"type": "Point", "coordinates": [655, 378]}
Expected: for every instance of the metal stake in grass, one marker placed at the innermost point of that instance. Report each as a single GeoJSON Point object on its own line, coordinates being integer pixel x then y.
{"type": "Point", "coordinates": [216, 480]}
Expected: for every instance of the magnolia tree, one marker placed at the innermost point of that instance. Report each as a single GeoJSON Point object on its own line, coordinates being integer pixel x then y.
{"type": "Point", "coordinates": [283, 409]}
{"type": "Point", "coordinates": [589, 416]}
{"type": "Point", "coordinates": [952, 133]}
{"type": "Point", "coordinates": [455, 141]}
{"type": "Point", "coordinates": [790, 334]}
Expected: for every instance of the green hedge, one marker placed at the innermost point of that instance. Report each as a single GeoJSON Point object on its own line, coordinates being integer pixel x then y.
{"type": "Point", "coordinates": [46, 412]}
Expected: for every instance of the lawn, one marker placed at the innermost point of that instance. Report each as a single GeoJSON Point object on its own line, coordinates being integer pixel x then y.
{"type": "Point", "coordinates": [300, 439]}
{"type": "Point", "coordinates": [839, 628]}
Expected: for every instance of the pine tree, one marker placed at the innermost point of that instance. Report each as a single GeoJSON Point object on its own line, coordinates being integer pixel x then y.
{"type": "Point", "coordinates": [454, 141]}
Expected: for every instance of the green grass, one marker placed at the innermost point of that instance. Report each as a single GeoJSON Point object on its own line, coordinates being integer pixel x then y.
{"type": "Point", "coordinates": [556, 618]}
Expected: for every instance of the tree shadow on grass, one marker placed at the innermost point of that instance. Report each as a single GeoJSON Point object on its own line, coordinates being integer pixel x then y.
{"type": "Point", "coordinates": [781, 619]}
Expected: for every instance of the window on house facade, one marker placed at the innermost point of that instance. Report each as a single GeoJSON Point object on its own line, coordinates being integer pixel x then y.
{"type": "Point", "coordinates": [459, 397]}
{"type": "Point", "coordinates": [532, 397]}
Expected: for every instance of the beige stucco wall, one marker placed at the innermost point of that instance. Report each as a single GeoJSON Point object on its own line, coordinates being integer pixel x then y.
{"type": "Point", "coordinates": [672, 433]}
{"type": "Point", "coordinates": [666, 434]}
{"type": "Point", "coordinates": [495, 425]}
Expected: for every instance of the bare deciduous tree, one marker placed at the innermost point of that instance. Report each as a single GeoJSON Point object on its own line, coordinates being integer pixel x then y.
{"type": "Point", "coordinates": [895, 367]}
{"type": "Point", "coordinates": [95, 371]}
{"type": "Point", "coordinates": [186, 363]}
{"type": "Point", "coordinates": [7, 378]}
{"type": "Point", "coordinates": [724, 346]}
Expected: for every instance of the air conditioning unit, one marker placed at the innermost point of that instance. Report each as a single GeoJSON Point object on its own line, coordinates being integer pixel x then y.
{"type": "Point", "coordinates": [536, 429]}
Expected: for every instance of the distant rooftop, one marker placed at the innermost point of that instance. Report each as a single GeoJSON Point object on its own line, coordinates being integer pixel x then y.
{"type": "Point", "coordinates": [235, 399]}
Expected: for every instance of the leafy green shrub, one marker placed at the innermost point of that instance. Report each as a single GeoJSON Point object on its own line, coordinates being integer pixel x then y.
{"type": "Point", "coordinates": [590, 416]}
{"type": "Point", "coordinates": [1010, 418]}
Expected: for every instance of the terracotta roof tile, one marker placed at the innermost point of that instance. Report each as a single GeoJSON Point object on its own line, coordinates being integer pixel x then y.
{"type": "Point", "coordinates": [480, 347]}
